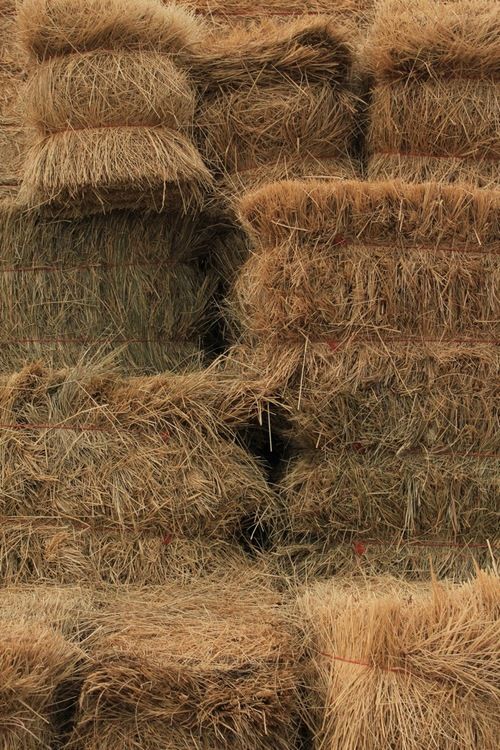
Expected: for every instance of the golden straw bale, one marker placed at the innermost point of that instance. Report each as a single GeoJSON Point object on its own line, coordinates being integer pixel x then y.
{"type": "Point", "coordinates": [344, 492]}
{"type": "Point", "coordinates": [430, 214]}
{"type": "Point", "coordinates": [127, 285]}
{"type": "Point", "coordinates": [96, 170]}
{"type": "Point", "coordinates": [99, 89]}
{"type": "Point", "coordinates": [403, 668]}
{"type": "Point", "coordinates": [58, 607]}
{"type": "Point", "coordinates": [432, 396]}
{"type": "Point", "coordinates": [209, 665]}
{"type": "Point", "coordinates": [436, 96]}
{"type": "Point", "coordinates": [39, 667]}
{"type": "Point", "coordinates": [33, 550]}
{"type": "Point", "coordinates": [60, 27]}
{"type": "Point", "coordinates": [130, 454]}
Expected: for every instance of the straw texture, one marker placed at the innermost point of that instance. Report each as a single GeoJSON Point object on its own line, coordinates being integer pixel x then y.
{"type": "Point", "coordinates": [401, 667]}
{"type": "Point", "coordinates": [436, 97]}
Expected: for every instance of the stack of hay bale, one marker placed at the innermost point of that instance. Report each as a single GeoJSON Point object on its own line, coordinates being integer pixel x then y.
{"type": "Point", "coordinates": [435, 104]}
{"type": "Point", "coordinates": [110, 106]}
{"type": "Point", "coordinates": [372, 310]}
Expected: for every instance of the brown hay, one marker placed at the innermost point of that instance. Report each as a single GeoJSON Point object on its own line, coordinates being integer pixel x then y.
{"type": "Point", "coordinates": [402, 668]}
{"type": "Point", "coordinates": [38, 667]}
{"type": "Point", "coordinates": [127, 285]}
{"type": "Point", "coordinates": [336, 259]}
{"type": "Point", "coordinates": [60, 27]}
{"type": "Point", "coordinates": [35, 550]}
{"type": "Point", "coordinates": [436, 95]}
{"type": "Point", "coordinates": [58, 607]}
{"type": "Point", "coordinates": [132, 455]}
{"type": "Point", "coordinates": [402, 396]}
{"type": "Point", "coordinates": [278, 102]}
{"type": "Point", "coordinates": [97, 170]}
{"type": "Point", "coordinates": [429, 215]}
{"type": "Point", "coordinates": [210, 665]}
{"type": "Point", "coordinates": [126, 88]}
{"type": "Point", "coordinates": [343, 493]}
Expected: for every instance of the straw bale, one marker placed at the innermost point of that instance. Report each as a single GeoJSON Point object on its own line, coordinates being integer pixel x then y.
{"type": "Point", "coordinates": [278, 102]}
{"type": "Point", "coordinates": [125, 285]}
{"type": "Point", "coordinates": [403, 668]}
{"type": "Point", "coordinates": [100, 89]}
{"type": "Point", "coordinates": [315, 557]}
{"type": "Point", "coordinates": [210, 665]}
{"type": "Point", "coordinates": [320, 212]}
{"type": "Point", "coordinates": [35, 550]}
{"type": "Point", "coordinates": [373, 494]}
{"type": "Point", "coordinates": [60, 608]}
{"type": "Point", "coordinates": [38, 667]}
{"type": "Point", "coordinates": [96, 170]}
{"type": "Point", "coordinates": [398, 395]}
{"type": "Point", "coordinates": [132, 454]}
{"type": "Point", "coordinates": [49, 28]}
{"type": "Point", "coordinates": [436, 94]}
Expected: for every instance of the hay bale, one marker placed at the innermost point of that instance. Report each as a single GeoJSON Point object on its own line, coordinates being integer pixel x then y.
{"type": "Point", "coordinates": [200, 666]}
{"type": "Point", "coordinates": [110, 109]}
{"type": "Point", "coordinates": [337, 259]}
{"type": "Point", "coordinates": [129, 454]}
{"type": "Point", "coordinates": [33, 550]}
{"type": "Point", "coordinates": [403, 668]}
{"type": "Point", "coordinates": [402, 396]}
{"type": "Point", "coordinates": [39, 667]}
{"type": "Point", "coordinates": [278, 102]}
{"type": "Point", "coordinates": [124, 286]}
{"type": "Point", "coordinates": [343, 494]}
{"type": "Point", "coordinates": [436, 98]}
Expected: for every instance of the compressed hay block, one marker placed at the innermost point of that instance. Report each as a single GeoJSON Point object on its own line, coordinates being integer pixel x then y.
{"type": "Point", "coordinates": [48, 28]}
{"type": "Point", "coordinates": [278, 103]}
{"type": "Point", "coordinates": [110, 108]}
{"type": "Point", "coordinates": [428, 397]}
{"type": "Point", "coordinates": [128, 454]}
{"type": "Point", "coordinates": [344, 258]}
{"type": "Point", "coordinates": [39, 667]}
{"type": "Point", "coordinates": [127, 287]}
{"type": "Point", "coordinates": [209, 665]}
{"type": "Point", "coordinates": [435, 110]}
{"type": "Point", "coordinates": [343, 494]}
{"type": "Point", "coordinates": [400, 667]}
{"type": "Point", "coordinates": [33, 550]}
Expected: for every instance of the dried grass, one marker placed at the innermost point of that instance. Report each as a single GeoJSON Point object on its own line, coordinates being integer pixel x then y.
{"type": "Point", "coordinates": [60, 27]}
{"type": "Point", "coordinates": [124, 285]}
{"type": "Point", "coordinates": [205, 666]}
{"type": "Point", "coordinates": [131, 455]}
{"type": "Point", "coordinates": [402, 396]}
{"type": "Point", "coordinates": [35, 550]}
{"type": "Point", "coordinates": [278, 102]}
{"type": "Point", "coordinates": [38, 667]}
{"type": "Point", "coordinates": [123, 89]}
{"type": "Point", "coordinates": [404, 668]}
{"type": "Point", "coordinates": [341, 493]}
{"type": "Point", "coordinates": [436, 96]}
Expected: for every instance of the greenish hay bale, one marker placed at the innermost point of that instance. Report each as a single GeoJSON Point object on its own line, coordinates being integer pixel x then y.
{"type": "Point", "coordinates": [97, 170]}
{"type": "Point", "coordinates": [130, 454]}
{"type": "Point", "coordinates": [213, 662]}
{"type": "Point", "coordinates": [436, 94]}
{"type": "Point", "coordinates": [403, 668]}
{"type": "Point", "coordinates": [35, 550]}
{"type": "Point", "coordinates": [311, 557]}
{"type": "Point", "coordinates": [343, 493]}
{"type": "Point", "coordinates": [401, 396]}
{"type": "Point", "coordinates": [60, 27]}
{"type": "Point", "coordinates": [125, 286]}
{"type": "Point", "coordinates": [102, 89]}
{"type": "Point", "coordinates": [39, 668]}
